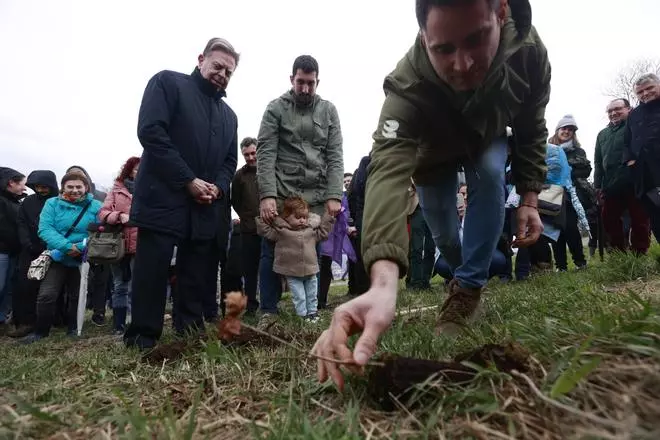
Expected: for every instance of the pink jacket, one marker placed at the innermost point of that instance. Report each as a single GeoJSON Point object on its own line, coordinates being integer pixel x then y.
{"type": "Point", "coordinates": [118, 201]}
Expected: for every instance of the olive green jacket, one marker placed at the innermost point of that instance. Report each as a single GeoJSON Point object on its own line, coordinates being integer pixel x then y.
{"type": "Point", "coordinates": [300, 152]}
{"type": "Point", "coordinates": [425, 129]}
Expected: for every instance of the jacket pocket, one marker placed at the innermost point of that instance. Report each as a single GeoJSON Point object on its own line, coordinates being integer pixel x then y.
{"type": "Point", "coordinates": [321, 127]}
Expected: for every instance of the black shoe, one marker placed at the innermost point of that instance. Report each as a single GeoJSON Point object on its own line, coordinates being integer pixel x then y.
{"type": "Point", "coordinates": [140, 342]}
{"type": "Point", "coordinates": [31, 339]}
{"type": "Point", "coordinates": [21, 331]}
{"type": "Point", "coordinates": [98, 320]}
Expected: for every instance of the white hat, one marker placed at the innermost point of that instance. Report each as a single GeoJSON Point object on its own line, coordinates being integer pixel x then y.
{"type": "Point", "coordinates": [567, 121]}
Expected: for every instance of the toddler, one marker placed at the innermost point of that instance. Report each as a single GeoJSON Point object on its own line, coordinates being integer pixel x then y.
{"type": "Point", "coordinates": [296, 234]}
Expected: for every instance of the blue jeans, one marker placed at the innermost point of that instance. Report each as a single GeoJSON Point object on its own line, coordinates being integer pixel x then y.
{"type": "Point", "coordinates": [7, 269]}
{"type": "Point", "coordinates": [484, 217]}
{"type": "Point", "coordinates": [270, 287]}
{"type": "Point", "coordinates": [121, 277]}
{"type": "Point", "coordinates": [498, 267]}
{"type": "Point", "coordinates": [304, 293]}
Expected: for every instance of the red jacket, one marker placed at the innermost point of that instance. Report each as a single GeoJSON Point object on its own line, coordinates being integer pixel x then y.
{"type": "Point", "coordinates": [118, 201]}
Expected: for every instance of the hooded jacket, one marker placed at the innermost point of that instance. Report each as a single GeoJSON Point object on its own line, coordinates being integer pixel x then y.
{"type": "Point", "coordinates": [30, 210]}
{"type": "Point", "coordinates": [98, 195]}
{"type": "Point", "coordinates": [425, 128]}
{"type": "Point", "coordinates": [295, 249]}
{"type": "Point", "coordinates": [9, 204]}
{"type": "Point", "coordinates": [300, 152]}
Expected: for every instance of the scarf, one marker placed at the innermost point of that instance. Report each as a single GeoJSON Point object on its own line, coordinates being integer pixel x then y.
{"type": "Point", "coordinates": [130, 185]}
{"type": "Point", "coordinates": [568, 145]}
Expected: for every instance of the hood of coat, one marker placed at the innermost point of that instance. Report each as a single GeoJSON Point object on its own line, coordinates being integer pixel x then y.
{"type": "Point", "coordinates": [45, 178]}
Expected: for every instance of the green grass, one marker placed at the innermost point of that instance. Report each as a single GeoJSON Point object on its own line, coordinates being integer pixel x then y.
{"type": "Point", "coordinates": [593, 335]}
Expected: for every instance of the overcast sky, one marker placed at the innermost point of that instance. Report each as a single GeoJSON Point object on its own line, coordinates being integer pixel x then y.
{"type": "Point", "coordinates": [73, 72]}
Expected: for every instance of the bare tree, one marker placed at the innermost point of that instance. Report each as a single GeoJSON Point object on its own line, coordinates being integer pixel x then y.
{"type": "Point", "coordinates": [624, 83]}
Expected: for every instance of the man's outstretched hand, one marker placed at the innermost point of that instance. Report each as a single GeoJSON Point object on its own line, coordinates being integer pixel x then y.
{"type": "Point", "coordinates": [371, 313]}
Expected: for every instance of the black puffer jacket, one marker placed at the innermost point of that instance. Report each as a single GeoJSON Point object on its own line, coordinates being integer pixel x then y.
{"type": "Point", "coordinates": [580, 172]}
{"type": "Point", "coordinates": [30, 210]}
{"type": "Point", "coordinates": [9, 204]}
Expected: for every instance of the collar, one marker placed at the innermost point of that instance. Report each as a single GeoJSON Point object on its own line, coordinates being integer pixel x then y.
{"type": "Point", "coordinates": [206, 87]}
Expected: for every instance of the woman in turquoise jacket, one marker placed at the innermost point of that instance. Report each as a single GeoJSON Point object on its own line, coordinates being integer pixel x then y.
{"type": "Point", "coordinates": [63, 227]}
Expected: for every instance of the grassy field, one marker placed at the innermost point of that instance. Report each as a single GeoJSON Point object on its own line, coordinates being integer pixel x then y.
{"type": "Point", "coordinates": [594, 336]}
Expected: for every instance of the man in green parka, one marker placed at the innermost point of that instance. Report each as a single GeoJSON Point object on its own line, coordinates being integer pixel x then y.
{"type": "Point", "coordinates": [476, 67]}
{"type": "Point", "coordinates": [299, 152]}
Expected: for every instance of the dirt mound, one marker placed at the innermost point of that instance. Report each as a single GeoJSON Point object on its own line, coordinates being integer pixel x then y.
{"type": "Point", "coordinates": [396, 379]}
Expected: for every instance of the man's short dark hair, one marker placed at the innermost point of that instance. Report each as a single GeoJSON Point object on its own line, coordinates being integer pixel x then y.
{"type": "Point", "coordinates": [422, 7]}
{"type": "Point", "coordinates": [348, 175]}
{"type": "Point", "coordinates": [248, 141]}
{"type": "Point", "coordinates": [307, 64]}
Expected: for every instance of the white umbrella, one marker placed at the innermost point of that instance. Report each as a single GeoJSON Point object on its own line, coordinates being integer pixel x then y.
{"type": "Point", "coordinates": [82, 295]}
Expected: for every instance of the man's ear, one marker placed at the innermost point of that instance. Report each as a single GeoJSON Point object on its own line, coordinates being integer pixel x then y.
{"type": "Point", "coordinates": [291, 79]}
{"type": "Point", "coordinates": [200, 60]}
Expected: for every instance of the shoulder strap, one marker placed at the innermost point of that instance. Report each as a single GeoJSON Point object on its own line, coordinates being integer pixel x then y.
{"type": "Point", "coordinates": [75, 223]}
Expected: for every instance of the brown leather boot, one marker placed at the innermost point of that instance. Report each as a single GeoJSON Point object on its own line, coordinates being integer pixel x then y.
{"type": "Point", "coordinates": [459, 307]}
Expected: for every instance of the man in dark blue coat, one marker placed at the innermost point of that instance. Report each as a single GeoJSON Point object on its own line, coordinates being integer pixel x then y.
{"type": "Point", "coordinates": [182, 188]}
{"type": "Point", "coordinates": [642, 147]}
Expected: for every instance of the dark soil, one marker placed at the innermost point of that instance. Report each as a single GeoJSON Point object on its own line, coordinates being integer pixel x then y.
{"type": "Point", "coordinates": [396, 379]}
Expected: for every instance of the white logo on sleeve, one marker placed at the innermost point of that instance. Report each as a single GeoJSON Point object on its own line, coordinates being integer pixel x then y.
{"type": "Point", "coordinates": [389, 128]}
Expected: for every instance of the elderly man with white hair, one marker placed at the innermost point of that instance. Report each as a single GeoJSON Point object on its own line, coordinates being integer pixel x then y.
{"type": "Point", "coordinates": [642, 146]}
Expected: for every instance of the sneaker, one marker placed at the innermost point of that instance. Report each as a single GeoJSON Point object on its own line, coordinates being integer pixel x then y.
{"type": "Point", "coordinates": [459, 307]}
{"type": "Point", "coordinates": [313, 318]}
{"type": "Point", "coordinates": [98, 320]}
{"type": "Point", "coordinates": [266, 321]}
{"type": "Point", "coordinates": [21, 331]}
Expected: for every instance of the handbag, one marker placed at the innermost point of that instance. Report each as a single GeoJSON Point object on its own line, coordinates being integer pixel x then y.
{"type": "Point", "coordinates": [40, 265]}
{"type": "Point", "coordinates": [105, 244]}
{"type": "Point", "coordinates": [551, 200]}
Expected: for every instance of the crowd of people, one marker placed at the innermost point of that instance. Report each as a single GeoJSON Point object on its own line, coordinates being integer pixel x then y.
{"type": "Point", "coordinates": [464, 177]}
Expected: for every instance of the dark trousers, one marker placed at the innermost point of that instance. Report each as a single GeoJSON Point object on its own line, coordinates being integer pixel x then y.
{"type": "Point", "coordinates": [150, 277]}
{"type": "Point", "coordinates": [231, 272]}
{"type": "Point", "coordinates": [24, 299]}
{"type": "Point", "coordinates": [97, 287]}
{"type": "Point", "coordinates": [537, 256]}
{"type": "Point", "coordinates": [570, 236]}
{"type": "Point", "coordinates": [250, 256]}
{"type": "Point", "coordinates": [57, 277]}
{"type": "Point", "coordinates": [325, 278]}
{"type": "Point", "coordinates": [360, 282]}
{"type": "Point", "coordinates": [654, 215]}
{"type": "Point", "coordinates": [640, 225]}
{"type": "Point", "coordinates": [422, 253]}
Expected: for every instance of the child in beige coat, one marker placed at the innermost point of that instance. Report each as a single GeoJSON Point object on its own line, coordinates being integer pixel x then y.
{"type": "Point", "coordinates": [296, 234]}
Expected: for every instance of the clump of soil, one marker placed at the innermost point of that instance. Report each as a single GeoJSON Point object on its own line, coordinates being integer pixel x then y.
{"type": "Point", "coordinates": [397, 377]}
